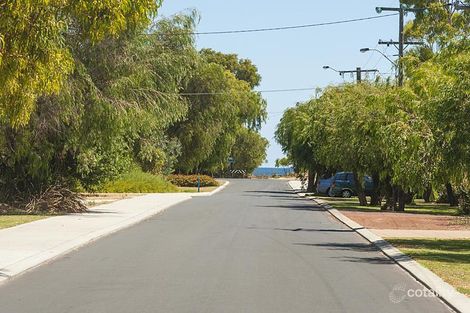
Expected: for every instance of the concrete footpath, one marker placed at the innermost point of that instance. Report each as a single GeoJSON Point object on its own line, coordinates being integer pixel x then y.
{"type": "Point", "coordinates": [419, 233]}
{"type": "Point", "coordinates": [28, 245]}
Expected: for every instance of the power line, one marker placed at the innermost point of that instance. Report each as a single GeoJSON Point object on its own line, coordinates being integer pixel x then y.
{"type": "Point", "coordinates": [257, 30]}
{"type": "Point", "coordinates": [228, 93]}
{"type": "Point", "coordinates": [370, 58]}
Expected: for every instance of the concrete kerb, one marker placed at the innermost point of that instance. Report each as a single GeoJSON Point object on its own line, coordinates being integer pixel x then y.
{"type": "Point", "coordinates": [439, 288]}
{"type": "Point", "coordinates": [213, 192]}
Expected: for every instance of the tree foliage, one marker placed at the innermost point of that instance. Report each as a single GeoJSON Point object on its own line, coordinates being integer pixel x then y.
{"type": "Point", "coordinates": [35, 58]}
{"type": "Point", "coordinates": [220, 107]}
{"type": "Point", "coordinates": [123, 103]}
{"type": "Point", "coordinates": [411, 137]}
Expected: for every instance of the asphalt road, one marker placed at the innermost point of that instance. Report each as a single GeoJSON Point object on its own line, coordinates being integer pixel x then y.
{"type": "Point", "coordinates": [255, 247]}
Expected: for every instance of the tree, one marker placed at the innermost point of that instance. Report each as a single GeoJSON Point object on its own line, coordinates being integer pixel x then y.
{"type": "Point", "coordinates": [296, 144]}
{"type": "Point", "coordinates": [243, 69]}
{"type": "Point", "coordinates": [283, 162]}
{"type": "Point", "coordinates": [34, 57]}
{"type": "Point", "coordinates": [249, 150]}
{"type": "Point", "coordinates": [442, 83]}
{"type": "Point", "coordinates": [220, 105]}
{"type": "Point", "coordinates": [112, 111]}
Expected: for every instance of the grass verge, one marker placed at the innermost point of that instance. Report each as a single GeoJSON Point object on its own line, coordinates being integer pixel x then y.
{"type": "Point", "coordinates": [14, 220]}
{"type": "Point", "coordinates": [137, 181]}
{"type": "Point", "coordinates": [420, 207]}
{"type": "Point", "coordinates": [449, 259]}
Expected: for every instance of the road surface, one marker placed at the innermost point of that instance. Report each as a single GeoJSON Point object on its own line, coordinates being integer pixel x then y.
{"type": "Point", "coordinates": [255, 247]}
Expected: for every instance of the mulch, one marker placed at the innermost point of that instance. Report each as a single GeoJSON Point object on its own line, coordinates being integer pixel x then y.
{"type": "Point", "coordinates": [391, 220]}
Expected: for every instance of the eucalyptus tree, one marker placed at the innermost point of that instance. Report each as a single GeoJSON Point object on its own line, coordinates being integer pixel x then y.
{"type": "Point", "coordinates": [350, 118]}
{"type": "Point", "coordinates": [249, 150]}
{"type": "Point", "coordinates": [442, 84]}
{"type": "Point", "coordinates": [113, 110]}
{"type": "Point", "coordinates": [243, 69]}
{"type": "Point", "coordinates": [35, 59]}
{"type": "Point", "coordinates": [300, 146]}
{"type": "Point", "coordinates": [220, 106]}
{"type": "Point", "coordinates": [438, 21]}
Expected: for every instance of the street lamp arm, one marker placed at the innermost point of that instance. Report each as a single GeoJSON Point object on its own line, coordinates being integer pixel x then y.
{"type": "Point", "coordinates": [326, 67]}
{"type": "Point", "coordinates": [383, 54]}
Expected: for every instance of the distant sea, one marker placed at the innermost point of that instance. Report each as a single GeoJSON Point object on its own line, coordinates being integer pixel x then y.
{"type": "Point", "coordinates": [270, 171]}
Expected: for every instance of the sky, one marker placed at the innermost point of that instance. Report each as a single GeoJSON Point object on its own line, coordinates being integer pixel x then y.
{"type": "Point", "coordinates": [294, 58]}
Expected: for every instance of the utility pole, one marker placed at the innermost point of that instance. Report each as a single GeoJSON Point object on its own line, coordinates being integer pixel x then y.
{"type": "Point", "coordinates": [401, 46]}
{"type": "Point", "coordinates": [358, 71]}
{"type": "Point", "coordinates": [402, 10]}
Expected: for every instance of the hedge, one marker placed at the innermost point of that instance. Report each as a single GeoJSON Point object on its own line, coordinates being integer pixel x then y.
{"type": "Point", "coordinates": [191, 180]}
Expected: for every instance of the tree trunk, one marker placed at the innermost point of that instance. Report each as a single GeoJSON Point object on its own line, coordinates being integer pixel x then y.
{"type": "Point", "coordinates": [427, 194]}
{"type": "Point", "coordinates": [319, 171]}
{"type": "Point", "coordinates": [375, 199]}
{"type": "Point", "coordinates": [387, 190]}
{"type": "Point", "coordinates": [409, 197]}
{"type": "Point", "coordinates": [311, 180]}
{"type": "Point", "coordinates": [394, 201]}
{"type": "Point", "coordinates": [450, 195]}
{"type": "Point", "coordinates": [360, 190]}
{"type": "Point", "coordinates": [402, 197]}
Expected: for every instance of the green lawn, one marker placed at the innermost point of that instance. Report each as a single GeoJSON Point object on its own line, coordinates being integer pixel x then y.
{"type": "Point", "coordinates": [449, 259]}
{"type": "Point", "coordinates": [14, 220]}
{"type": "Point", "coordinates": [420, 207]}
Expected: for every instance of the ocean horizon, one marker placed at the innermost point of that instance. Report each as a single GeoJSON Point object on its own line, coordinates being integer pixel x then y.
{"type": "Point", "coordinates": [270, 171]}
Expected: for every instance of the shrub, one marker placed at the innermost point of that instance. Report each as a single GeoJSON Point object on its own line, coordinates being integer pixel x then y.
{"type": "Point", "coordinates": [137, 181]}
{"type": "Point", "coordinates": [191, 180]}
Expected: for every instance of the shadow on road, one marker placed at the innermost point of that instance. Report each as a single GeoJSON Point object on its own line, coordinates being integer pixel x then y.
{"type": "Point", "coordinates": [370, 260]}
{"type": "Point", "coordinates": [306, 207]}
{"type": "Point", "coordinates": [356, 247]}
{"type": "Point", "coordinates": [342, 246]}
{"type": "Point", "coordinates": [272, 192]}
{"type": "Point", "coordinates": [317, 230]}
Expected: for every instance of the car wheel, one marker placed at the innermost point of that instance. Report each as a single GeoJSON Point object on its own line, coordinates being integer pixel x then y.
{"type": "Point", "coordinates": [346, 194]}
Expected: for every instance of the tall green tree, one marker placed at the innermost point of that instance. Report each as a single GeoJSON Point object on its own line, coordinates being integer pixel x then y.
{"type": "Point", "coordinates": [220, 104]}
{"type": "Point", "coordinates": [249, 150]}
{"type": "Point", "coordinates": [34, 57]}
{"type": "Point", "coordinates": [113, 110]}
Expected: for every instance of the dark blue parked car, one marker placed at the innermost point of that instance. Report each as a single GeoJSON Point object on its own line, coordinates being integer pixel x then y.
{"type": "Point", "coordinates": [324, 185]}
{"type": "Point", "coordinates": [343, 185]}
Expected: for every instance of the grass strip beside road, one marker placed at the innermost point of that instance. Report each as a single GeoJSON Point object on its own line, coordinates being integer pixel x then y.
{"type": "Point", "coordinates": [447, 258]}
{"type": "Point", "coordinates": [14, 220]}
{"type": "Point", "coordinates": [419, 207]}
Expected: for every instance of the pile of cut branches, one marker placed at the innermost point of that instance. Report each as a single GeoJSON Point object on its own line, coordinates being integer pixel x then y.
{"type": "Point", "coordinates": [54, 200]}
